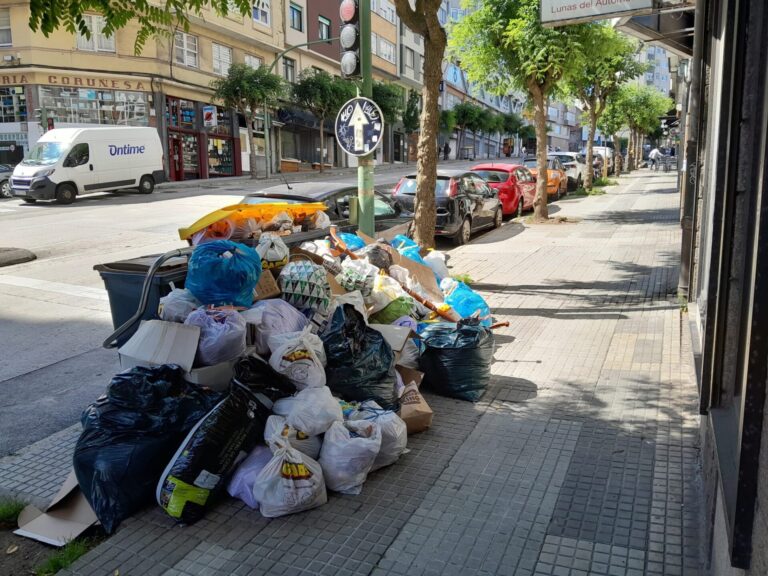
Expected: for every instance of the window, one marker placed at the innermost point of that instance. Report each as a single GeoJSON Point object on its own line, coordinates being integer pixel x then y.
{"type": "Point", "coordinates": [185, 49]}
{"type": "Point", "coordinates": [77, 156]}
{"type": "Point", "coordinates": [410, 58]}
{"type": "Point", "coordinates": [385, 9]}
{"type": "Point", "coordinates": [387, 51]}
{"type": "Point", "coordinates": [222, 59]}
{"type": "Point", "coordinates": [5, 27]}
{"type": "Point", "coordinates": [13, 104]}
{"type": "Point", "coordinates": [324, 28]}
{"type": "Point", "coordinates": [98, 42]}
{"type": "Point", "coordinates": [262, 11]}
{"type": "Point", "coordinates": [253, 61]}
{"type": "Point", "coordinates": [95, 106]}
{"type": "Point", "coordinates": [296, 17]}
{"type": "Point", "coordinates": [289, 69]}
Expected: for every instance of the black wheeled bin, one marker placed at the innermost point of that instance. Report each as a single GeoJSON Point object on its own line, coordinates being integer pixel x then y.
{"type": "Point", "coordinates": [124, 281]}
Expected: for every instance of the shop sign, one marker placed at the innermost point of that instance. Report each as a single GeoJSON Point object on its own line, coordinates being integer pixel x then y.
{"type": "Point", "coordinates": [74, 81]}
{"type": "Point", "coordinates": [209, 116]}
{"type": "Point", "coordinates": [561, 12]}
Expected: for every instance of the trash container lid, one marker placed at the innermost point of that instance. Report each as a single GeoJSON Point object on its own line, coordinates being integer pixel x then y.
{"type": "Point", "coordinates": [142, 264]}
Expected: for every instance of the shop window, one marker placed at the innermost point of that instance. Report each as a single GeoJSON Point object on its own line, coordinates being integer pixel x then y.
{"type": "Point", "coordinates": [262, 12]}
{"type": "Point", "coordinates": [253, 61]}
{"type": "Point", "coordinates": [220, 157]}
{"type": "Point", "coordinates": [289, 69]}
{"type": "Point", "coordinates": [185, 49]}
{"type": "Point", "coordinates": [92, 106]}
{"type": "Point", "coordinates": [222, 59]}
{"type": "Point", "coordinates": [296, 17]}
{"type": "Point", "coordinates": [13, 104]}
{"type": "Point", "coordinates": [98, 42]}
{"type": "Point", "coordinates": [324, 28]}
{"type": "Point", "coordinates": [6, 39]}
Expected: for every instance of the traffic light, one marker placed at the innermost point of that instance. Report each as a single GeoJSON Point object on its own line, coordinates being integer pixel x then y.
{"type": "Point", "coordinates": [349, 38]}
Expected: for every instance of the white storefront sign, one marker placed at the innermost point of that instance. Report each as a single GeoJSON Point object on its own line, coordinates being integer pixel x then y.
{"type": "Point", "coordinates": [560, 12]}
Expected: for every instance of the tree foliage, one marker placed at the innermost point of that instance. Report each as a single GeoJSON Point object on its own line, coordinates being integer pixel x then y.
{"type": "Point", "coordinates": [248, 90]}
{"type": "Point", "coordinates": [503, 46]}
{"type": "Point", "coordinates": [390, 98]}
{"type": "Point", "coordinates": [153, 17]}
{"type": "Point", "coordinates": [411, 113]}
{"type": "Point", "coordinates": [447, 121]}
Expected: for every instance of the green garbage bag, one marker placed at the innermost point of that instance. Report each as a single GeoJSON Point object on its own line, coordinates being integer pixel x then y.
{"type": "Point", "coordinates": [399, 307]}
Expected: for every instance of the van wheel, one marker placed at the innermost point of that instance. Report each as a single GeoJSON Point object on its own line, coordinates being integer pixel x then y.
{"type": "Point", "coordinates": [146, 185]}
{"type": "Point", "coordinates": [65, 194]}
{"type": "Point", "coordinates": [464, 233]}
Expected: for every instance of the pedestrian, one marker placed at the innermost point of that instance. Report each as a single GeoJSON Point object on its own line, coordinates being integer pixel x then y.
{"type": "Point", "coordinates": [523, 151]}
{"type": "Point", "coordinates": [446, 151]}
{"type": "Point", "coordinates": [654, 158]}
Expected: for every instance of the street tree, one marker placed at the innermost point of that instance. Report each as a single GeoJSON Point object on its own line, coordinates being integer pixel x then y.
{"type": "Point", "coordinates": [642, 106]}
{"type": "Point", "coordinates": [503, 46]}
{"type": "Point", "coordinates": [410, 119]}
{"type": "Point", "coordinates": [248, 90]}
{"type": "Point", "coordinates": [511, 124]}
{"type": "Point", "coordinates": [154, 18]}
{"type": "Point", "coordinates": [390, 98]}
{"type": "Point", "coordinates": [609, 62]}
{"type": "Point", "coordinates": [611, 122]}
{"type": "Point", "coordinates": [323, 95]}
{"type": "Point", "coordinates": [420, 16]}
{"type": "Point", "coordinates": [467, 115]}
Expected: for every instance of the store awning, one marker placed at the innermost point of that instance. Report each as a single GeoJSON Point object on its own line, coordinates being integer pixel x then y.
{"type": "Point", "coordinates": [671, 30]}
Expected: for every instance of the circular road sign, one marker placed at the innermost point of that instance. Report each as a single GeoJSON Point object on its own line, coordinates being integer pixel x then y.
{"type": "Point", "coordinates": [359, 126]}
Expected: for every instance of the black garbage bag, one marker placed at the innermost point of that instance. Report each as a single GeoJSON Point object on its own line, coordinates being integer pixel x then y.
{"type": "Point", "coordinates": [361, 364]}
{"type": "Point", "coordinates": [376, 255]}
{"type": "Point", "coordinates": [130, 433]}
{"type": "Point", "coordinates": [457, 359]}
{"type": "Point", "coordinates": [197, 474]}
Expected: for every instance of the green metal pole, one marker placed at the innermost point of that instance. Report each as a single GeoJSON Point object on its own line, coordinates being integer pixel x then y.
{"type": "Point", "coordinates": [365, 163]}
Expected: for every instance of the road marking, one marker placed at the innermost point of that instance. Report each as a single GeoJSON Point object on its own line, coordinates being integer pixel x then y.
{"type": "Point", "coordinates": [57, 287]}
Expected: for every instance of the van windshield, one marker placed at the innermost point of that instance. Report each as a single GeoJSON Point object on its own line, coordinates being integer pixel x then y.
{"type": "Point", "coordinates": [45, 153]}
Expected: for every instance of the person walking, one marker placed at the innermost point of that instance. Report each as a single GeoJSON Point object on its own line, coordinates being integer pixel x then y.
{"type": "Point", "coordinates": [446, 151]}
{"type": "Point", "coordinates": [654, 158]}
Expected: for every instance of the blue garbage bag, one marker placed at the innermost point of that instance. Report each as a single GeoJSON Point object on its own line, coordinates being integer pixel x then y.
{"type": "Point", "coordinates": [223, 273]}
{"type": "Point", "coordinates": [402, 241]}
{"type": "Point", "coordinates": [353, 241]}
{"type": "Point", "coordinates": [465, 301]}
{"type": "Point", "coordinates": [457, 358]}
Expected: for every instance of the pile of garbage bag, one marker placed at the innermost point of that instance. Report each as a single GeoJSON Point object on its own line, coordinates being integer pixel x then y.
{"type": "Point", "coordinates": [279, 374]}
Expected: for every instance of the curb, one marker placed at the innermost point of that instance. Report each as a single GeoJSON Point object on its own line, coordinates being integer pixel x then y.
{"type": "Point", "coordinates": [11, 256]}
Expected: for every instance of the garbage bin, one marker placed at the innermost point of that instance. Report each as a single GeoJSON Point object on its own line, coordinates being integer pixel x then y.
{"type": "Point", "coordinates": [124, 281]}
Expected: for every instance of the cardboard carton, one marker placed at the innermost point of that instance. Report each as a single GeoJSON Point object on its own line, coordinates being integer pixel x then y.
{"type": "Point", "coordinates": [414, 410]}
{"type": "Point", "coordinates": [266, 287]}
{"type": "Point", "coordinates": [66, 517]}
{"type": "Point", "coordinates": [158, 342]}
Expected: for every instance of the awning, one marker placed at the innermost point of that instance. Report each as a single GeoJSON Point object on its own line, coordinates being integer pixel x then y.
{"type": "Point", "coordinates": [672, 30]}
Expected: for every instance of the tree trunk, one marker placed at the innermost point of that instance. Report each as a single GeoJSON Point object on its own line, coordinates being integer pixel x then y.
{"type": "Point", "coordinates": [618, 159]}
{"type": "Point", "coordinates": [631, 151]}
{"type": "Point", "coordinates": [590, 149]}
{"type": "Point", "coordinates": [252, 155]}
{"type": "Point", "coordinates": [426, 178]}
{"type": "Point", "coordinates": [540, 212]}
{"type": "Point", "coordinates": [639, 147]}
{"type": "Point", "coordinates": [322, 137]}
{"type": "Point", "coordinates": [488, 148]}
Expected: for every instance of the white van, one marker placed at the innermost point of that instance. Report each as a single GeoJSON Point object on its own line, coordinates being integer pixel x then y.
{"type": "Point", "coordinates": [66, 162]}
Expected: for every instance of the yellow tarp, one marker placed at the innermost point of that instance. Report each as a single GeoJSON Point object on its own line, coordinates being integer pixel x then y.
{"type": "Point", "coordinates": [261, 212]}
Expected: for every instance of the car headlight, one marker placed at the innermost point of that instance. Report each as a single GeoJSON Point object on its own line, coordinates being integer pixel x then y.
{"type": "Point", "coordinates": [43, 173]}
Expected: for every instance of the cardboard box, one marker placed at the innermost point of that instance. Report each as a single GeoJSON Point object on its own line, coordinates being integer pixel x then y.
{"type": "Point", "coordinates": [410, 376]}
{"type": "Point", "coordinates": [396, 337]}
{"type": "Point", "coordinates": [266, 287]}
{"type": "Point", "coordinates": [414, 410]}
{"type": "Point", "coordinates": [66, 517]}
{"type": "Point", "coordinates": [158, 342]}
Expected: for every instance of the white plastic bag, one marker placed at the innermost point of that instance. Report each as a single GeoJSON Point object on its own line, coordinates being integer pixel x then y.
{"type": "Point", "coordinates": [278, 428]}
{"type": "Point", "coordinates": [348, 453]}
{"type": "Point", "coordinates": [357, 275]}
{"type": "Point", "coordinates": [245, 228]}
{"type": "Point", "coordinates": [394, 433]}
{"type": "Point", "coordinates": [354, 298]}
{"type": "Point", "coordinates": [269, 317]}
{"type": "Point", "coordinates": [241, 484]}
{"type": "Point", "coordinates": [437, 261]}
{"type": "Point", "coordinates": [273, 251]}
{"type": "Point", "coordinates": [177, 305]}
{"type": "Point", "coordinates": [300, 356]}
{"type": "Point", "coordinates": [385, 290]}
{"type": "Point", "coordinates": [222, 335]}
{"type": "Point", "coordinates": [321, 220]}
{"type": "Point", "coordinates": [282, 222]}
{"type": "Point", "coordinates": [291, 482]}
{"type": "Point", "coordinates": [409, 355]}
{"type": "Point", "coordinates": [314, 410]}
{"type": "Point", "coordinates": [403, 276]}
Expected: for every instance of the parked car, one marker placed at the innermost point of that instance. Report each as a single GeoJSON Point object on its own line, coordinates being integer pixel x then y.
{"type": "Point", "coordinates": [465, 203]}
{"type": "Point", "coordinates": [514, 183]}
{"type": "Point", "coordinates": [6, 170]}
{"type": "Point", "coordinates": [557, 181]}
{"type": "Point", "coordinates": [575, 167]}
{"type": "Point", "coordinates": [606, 152]}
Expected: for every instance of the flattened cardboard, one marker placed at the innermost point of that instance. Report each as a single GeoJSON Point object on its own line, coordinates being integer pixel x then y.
{"type": "Point", "coordinates": [410, 376]}
{"type": "Point", "coordinates": [422, 274]}
{"type": "Point", "coordinates": [158, 342]}
{"type": "Point", "coordinates": [66, 517]}
{"type": "Point", "coordinates": [414, 410]}
{"type": "Point", "coordinates": [266, 287]}
{"type": "Point", "coordinates": [396, 336]}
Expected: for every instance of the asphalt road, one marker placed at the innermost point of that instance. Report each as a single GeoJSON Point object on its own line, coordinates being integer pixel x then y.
{"type": "Point", "coordinates": [54, 311]}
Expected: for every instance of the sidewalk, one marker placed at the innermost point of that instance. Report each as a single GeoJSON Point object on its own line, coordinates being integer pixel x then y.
{"type": "Point", "coordinates": [580, 459]}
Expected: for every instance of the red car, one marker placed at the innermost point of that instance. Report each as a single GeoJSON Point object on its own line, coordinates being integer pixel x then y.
{"type": "Point", "coordinates": [515, 184]}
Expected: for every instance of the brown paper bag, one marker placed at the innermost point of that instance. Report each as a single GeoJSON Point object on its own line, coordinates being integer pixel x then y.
{"type": "Point", "coordinates": [414, 410]}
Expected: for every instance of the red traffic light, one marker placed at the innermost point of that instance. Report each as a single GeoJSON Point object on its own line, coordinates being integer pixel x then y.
{"type": "Point", "coordinates": [347, 10]}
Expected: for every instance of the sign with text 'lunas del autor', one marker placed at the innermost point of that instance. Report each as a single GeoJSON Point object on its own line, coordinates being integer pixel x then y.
{"type": "Point", "coordinates": [561, 12]}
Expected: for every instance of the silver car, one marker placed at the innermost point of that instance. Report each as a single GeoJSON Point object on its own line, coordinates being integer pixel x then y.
{"type": "Point", "coordinates": [575, 167]}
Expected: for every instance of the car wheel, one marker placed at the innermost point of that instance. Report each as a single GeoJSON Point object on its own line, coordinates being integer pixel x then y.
{"type": "Point", "coordinates": [464, 233]}
{"type": "Point", "coordinates": [498, 217]}
{"type": "Point", "coordinates": [520, 203]}
{"type": "Point", "coordinates": [65, 194]}
{"type": "Point", "coordinates": [30, 200]}
{"type": "Point", "coordinates": [579, 182]}
{"type": "Point", "coordinates": [5, 189]}
{"type": "Point", "coordinates": [146, 185]}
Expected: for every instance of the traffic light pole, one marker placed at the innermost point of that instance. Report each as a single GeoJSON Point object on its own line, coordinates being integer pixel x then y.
{"type": "Point", "coordinates": [365, 163]}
